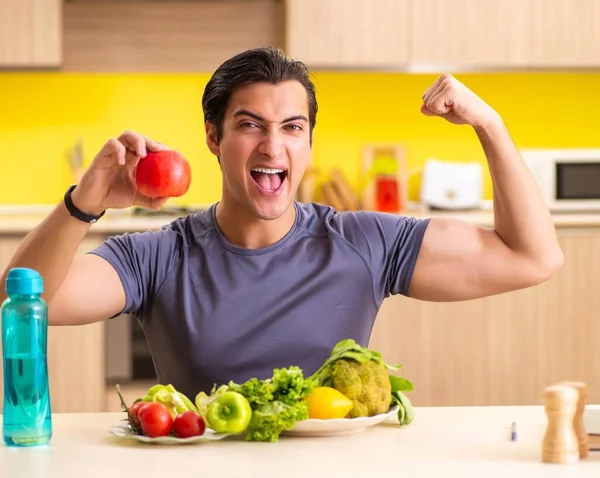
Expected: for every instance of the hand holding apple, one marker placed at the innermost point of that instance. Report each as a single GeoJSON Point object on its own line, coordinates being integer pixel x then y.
{"type": "Point", "coordinates": [132, 170]}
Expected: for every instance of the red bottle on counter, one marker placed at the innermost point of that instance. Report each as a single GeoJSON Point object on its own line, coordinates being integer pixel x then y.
{"type": "Point", "coordinates": [387, 194]}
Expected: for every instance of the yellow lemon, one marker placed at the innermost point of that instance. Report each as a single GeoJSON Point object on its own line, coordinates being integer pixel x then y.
{"type": "Point", "coordinates": [327, 402]}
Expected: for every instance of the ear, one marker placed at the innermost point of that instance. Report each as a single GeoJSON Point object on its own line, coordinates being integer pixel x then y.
{"type": "Point", "coordinates": [211, 139]}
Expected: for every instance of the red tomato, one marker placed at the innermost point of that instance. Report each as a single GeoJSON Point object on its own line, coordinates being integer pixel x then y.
{"type": "Point", "coordinates": [188, 424]}
{"type": "Point", "coordinates": [155, 419]}
{"type": "Point", "coordinates": [134, 410]}
{"type": "Point", "coordinates": [163, 174]}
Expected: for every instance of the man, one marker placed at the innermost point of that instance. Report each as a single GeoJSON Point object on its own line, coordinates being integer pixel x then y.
{"type": "Point", "coordinates": [260, 281]}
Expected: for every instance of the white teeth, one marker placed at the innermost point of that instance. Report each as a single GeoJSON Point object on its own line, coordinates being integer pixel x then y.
{"type": "Point", "coordinates": [267, 170]}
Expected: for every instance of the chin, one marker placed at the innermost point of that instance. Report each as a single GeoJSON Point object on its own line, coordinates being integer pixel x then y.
{"type": "Point", "coordinates": [272, 211]}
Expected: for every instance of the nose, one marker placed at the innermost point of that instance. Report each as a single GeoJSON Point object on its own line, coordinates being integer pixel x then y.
{"type": "Point", "coordinates": [271, 145]}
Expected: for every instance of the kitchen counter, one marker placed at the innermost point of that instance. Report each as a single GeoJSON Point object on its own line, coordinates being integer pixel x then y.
{"type": "Point", "coordinates": [486, 218]}
{"type": "Point", "coordinates": [108, 225]}
{"type": "Point", "coordinates": [117, 223]}
{"type": "Point", "coordinates": [444, 441]}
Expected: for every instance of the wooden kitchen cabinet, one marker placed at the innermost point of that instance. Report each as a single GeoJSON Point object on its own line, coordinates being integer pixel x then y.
{"type": "Point", "coordinates": [413, 34]}
{"type": "Point", "coordinates": [502, 350]}
{"type": "Point", "coordinates": [506, 33]}
{"type": "Point", "coordinates": [77, 361]}
{"type": "Point", "coordinates": [563, 33]}
{"type": "Point", "coordinates": [469, 32]}
{"type": "Point", "coordinates": [338, 33]}
{"type": "Point", "coordinates": [30, 33]}
{"type": "Point", "coordinates": [76, 355]}
{"type": "Point", "coordinates": [327, 34]}
{"type": "Point", "coordinates": [166, 36]}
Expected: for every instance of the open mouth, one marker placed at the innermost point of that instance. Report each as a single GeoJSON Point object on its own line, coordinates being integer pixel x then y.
{"type": "Point", "coordinates": [268, 179]}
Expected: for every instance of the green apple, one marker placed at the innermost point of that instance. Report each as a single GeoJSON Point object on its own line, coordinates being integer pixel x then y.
{"type": "Point", "coordinates": [229, 413]}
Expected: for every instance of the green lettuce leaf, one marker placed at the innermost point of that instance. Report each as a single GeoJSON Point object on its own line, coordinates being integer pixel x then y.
{"type": "Point", "coordinates": [257, 392]}
{"type": "Point", "coordinates": [277, 402]}
{"type": "Point", "coordinates": [289, 385]}
{"type": "Point", "coordinates": [268, 421]}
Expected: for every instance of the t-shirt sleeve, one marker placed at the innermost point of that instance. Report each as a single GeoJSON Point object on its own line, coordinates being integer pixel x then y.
{"type": "Point", "coordinates": [388, 243]}
{"type": "Point", "coordinates": [142, 260]}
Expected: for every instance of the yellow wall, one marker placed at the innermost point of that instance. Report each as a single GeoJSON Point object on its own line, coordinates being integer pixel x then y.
{"type": "Point", "coordinates": [42, 114]}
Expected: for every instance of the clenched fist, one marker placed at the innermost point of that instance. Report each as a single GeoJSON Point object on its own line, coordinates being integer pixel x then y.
{"type": "Point", "coordinates": [453, 101]}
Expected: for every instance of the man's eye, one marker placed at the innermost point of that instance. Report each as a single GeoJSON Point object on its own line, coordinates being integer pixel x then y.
{"type": "Point", "coordinates": [248, 124]}
{"type": "Point", "coordinates": [294, 127]}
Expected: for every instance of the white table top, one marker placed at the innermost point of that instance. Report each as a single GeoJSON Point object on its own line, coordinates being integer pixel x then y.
{"type": "Point", "coordinates": [445, 441]}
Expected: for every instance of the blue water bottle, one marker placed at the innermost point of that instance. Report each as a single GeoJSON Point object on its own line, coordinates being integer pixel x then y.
{"type": "Point", "coordinates": [27, 419]}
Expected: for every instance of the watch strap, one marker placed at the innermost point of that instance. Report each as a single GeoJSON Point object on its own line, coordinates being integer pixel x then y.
{"type": "Point", "coordinates": [75, 212]}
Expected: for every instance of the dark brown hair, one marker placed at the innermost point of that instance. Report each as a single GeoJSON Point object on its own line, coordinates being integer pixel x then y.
{"type": "Point", "coordinates": [268, 65]}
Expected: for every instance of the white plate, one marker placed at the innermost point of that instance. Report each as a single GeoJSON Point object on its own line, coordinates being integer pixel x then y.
{"type": "Point", "coordinates": [314, 427]}
{"type": "Point", "coordinates": [123, 430]}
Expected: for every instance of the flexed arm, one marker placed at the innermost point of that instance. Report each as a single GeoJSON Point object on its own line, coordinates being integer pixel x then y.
{"type": "Point", "coordinates": [460, 261]}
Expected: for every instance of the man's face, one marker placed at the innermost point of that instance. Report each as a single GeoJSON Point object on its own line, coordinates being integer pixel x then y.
{"type": "Point", "coordinates": [264, 148]}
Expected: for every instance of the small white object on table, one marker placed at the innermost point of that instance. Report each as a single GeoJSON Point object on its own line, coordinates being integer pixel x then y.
{"type": "Point", "coordinates": [592, 419]}
{"type": "Point", "coordinates": [441, 441]}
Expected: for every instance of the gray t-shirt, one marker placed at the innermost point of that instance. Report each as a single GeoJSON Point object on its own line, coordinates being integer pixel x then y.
{"type": "Point", "coordinates": [213, 312]}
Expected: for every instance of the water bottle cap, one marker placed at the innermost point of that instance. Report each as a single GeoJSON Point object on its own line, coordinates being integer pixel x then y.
{"type": "Point", "coordinates": [22, 280]}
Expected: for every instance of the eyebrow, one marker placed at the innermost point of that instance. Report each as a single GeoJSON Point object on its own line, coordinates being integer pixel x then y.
{"type": "Point", "coordinates": [260, 118]}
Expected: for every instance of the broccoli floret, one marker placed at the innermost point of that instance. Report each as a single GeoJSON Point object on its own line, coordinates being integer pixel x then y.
{"type": "Point", "coordinates": [366, 384]}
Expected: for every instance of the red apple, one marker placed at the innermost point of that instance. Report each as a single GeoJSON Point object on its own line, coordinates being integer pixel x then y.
{"type": "Point", "coordinates": [163, 174]}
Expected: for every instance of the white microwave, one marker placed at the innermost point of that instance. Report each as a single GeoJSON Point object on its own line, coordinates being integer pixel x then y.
{"type": "Point", "coordinates": [569, 179]}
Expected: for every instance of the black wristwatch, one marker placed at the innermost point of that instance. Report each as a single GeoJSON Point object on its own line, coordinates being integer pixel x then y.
{"type": "Point", "coordinates": [76, 212]}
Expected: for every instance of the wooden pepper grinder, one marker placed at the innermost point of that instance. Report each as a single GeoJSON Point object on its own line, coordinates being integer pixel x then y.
{"type": "Point", "coordinates": [578, 425]}
{"type": "Point", "coordinates": [560, 444]}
